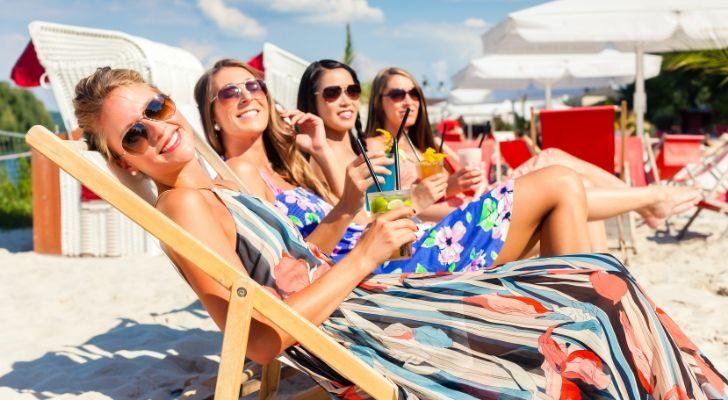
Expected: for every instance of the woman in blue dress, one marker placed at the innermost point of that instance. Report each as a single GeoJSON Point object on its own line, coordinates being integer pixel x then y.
{"type": "Point", "coordinates": [499, 227]}
{"type": "Point", "coordinates": [566, 327]}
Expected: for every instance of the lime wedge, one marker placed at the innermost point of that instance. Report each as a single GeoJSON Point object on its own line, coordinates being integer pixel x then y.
{"type": "Point", "coordinates": [379, 205]}
{"type": "Point", "coordinates": [394, 204]}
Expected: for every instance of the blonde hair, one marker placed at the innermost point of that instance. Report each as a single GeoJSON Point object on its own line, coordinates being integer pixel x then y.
{"type": "Point", "coordinates": [278, 138]}
{"type": "Point", "coordinates": [420, 132]}
{"type": "Point", "coordinates": [89, 97]}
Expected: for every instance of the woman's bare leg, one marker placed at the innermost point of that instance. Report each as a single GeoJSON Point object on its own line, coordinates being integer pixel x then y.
{"type": "Point", "coordinates": [608, 196]}
{"type": "Point", "coordinates": [598, 237]}
{"type": "Point", "coordinates": [550, 205]}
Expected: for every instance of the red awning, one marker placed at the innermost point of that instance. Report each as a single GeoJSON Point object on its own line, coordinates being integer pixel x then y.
{"type": "Point", "coordinates": [27, 71]}
{"type": "Point", "coordinates": [257, 63]}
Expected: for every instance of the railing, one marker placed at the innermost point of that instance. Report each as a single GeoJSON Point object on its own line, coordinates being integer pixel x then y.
{"type": "Point", "coordinates": [12, 149]}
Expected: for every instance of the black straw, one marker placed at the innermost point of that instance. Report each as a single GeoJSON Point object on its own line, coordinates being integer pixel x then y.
{"type": "Point", "coordinates": [395, 150]}
{"type": "Point", "coordinates": [486, 131]}
{"type": "Point", "coordinates": [366, 160]}
{"type": "Point", "coordinates": [442, 134]}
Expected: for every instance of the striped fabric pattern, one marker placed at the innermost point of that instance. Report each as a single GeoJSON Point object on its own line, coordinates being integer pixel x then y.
{"type": "Point", "coordinates": [568, 327]}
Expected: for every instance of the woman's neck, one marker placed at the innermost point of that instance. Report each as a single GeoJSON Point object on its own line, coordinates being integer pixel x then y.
{"type": "Point", "coordinates": [251, 151]}
{"type": "Point", "coordinates": [403, 142]}
{"type": "Point", "coordinates": [339, 141]}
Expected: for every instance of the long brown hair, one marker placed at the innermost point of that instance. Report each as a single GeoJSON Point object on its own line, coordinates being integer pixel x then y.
{"type": "Point", "coordinates": [279, 140]}
{"type": "Point", "coordinates": [420, 132]}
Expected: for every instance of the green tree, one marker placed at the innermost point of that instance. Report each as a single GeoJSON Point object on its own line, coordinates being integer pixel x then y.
{"type": "Point", "coordinates": [20, 109]}
{"type": "Point", "coordinates": [348, 48]}
{"type": "Point", "coordinates": [687, 81]}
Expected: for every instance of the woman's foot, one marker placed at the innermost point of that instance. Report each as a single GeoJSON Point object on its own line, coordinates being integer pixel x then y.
{"type": "Point", "coordinates": [669, 200]}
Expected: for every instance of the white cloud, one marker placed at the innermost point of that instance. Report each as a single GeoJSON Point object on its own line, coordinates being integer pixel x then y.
{"type": "Point", "coordinates": [455, 39]}
{"type": "Point", "coordinates": [329, 11]}
{"type": "Point", "coordinates": [366, 67]}
{"type": "Point", "coordinates": [475, 23]}
{"type": "Point", "coordinates": [202, 50]}
{"type": "Point", "coordinates": [231, 20]}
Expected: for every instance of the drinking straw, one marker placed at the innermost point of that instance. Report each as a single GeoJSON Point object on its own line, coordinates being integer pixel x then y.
{"type": "Point", "coordinates": [442, 143]}
{"type": "Point", "coordinates": [395, 150]}
{"type": "Point", "coordinates": [485, 132]}
{"type": "Point", "coordinates": [409, 140]}
{"type": "Point", "coordinates": [366, 160]}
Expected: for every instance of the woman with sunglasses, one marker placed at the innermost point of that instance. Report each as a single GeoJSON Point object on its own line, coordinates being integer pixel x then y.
{"type": "Point", "coordinates": [558, 327]}
{"type": "Point", "coordinates": [482, 235]}
{"type": "Point", "coordinates": [394, 90]}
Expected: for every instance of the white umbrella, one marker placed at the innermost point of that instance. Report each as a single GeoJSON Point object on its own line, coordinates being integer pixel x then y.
{"type": "Point", "coordinates": [591, 25]}
{"type": "Point", "coordinates": [518, 71]}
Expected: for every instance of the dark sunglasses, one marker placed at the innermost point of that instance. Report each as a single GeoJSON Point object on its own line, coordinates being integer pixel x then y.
{"type": "Point", "coordinates": [332, 93]}
{"type": "Point", "coordinates": [136, 139]}
{"type": "Point", "coordinates": [233, 91]}
{"type": "Point", "coordinates": [399, 94]}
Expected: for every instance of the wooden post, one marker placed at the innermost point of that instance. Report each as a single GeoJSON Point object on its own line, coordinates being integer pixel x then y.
{"type": "Point", "coordinates": [46, 205]}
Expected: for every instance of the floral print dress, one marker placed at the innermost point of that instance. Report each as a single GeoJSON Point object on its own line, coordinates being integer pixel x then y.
{"type": "Point", "coordinates": [467, 239]}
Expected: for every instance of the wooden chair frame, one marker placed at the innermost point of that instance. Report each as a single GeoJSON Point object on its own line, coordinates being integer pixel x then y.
{"type": "Point", "coordinates": [245, 294]}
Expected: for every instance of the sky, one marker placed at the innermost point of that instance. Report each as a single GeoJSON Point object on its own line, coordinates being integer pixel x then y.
{"type": "Point", "coordinates": [432, 39]}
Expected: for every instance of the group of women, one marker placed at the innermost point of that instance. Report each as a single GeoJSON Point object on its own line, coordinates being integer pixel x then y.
{"type": "Point", "coordinates": [461, 318]}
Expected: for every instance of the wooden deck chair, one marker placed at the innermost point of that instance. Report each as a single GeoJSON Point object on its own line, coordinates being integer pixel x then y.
{"type": "Point", "coordinates": [245, 294]}
{"type": "Point", "coordinates": [713, 176]}
{"type": "Point", "coordinates": [677, 152]}
{"type": "Point", "coordinates": [584, 132]}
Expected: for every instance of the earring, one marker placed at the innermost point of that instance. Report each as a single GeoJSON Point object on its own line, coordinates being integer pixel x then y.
{"type": "Point", "coordinates": [216, 126]}
{"type": "Point", "coordinates": [134, 173]}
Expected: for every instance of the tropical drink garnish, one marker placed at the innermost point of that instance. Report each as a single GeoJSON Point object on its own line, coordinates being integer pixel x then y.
{"type": "Point", "coordinates": [431, 163]}
{"type": "Point", "coordinates": [388, 142]}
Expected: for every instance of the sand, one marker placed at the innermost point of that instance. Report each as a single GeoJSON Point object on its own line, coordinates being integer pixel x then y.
{"type": "Point", "coordinates": [114, 328]}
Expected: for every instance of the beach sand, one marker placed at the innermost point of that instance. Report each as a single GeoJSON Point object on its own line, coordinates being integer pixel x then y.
{"type": "Point", "coordinates": [100, 328]}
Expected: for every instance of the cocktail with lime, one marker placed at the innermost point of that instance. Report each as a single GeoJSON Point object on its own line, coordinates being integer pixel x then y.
{"type": "Point", "coordinates": [382, 202]}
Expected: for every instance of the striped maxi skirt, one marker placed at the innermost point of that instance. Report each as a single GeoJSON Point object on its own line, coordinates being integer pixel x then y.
{"type": "Point", "coordinates": [567, 327]}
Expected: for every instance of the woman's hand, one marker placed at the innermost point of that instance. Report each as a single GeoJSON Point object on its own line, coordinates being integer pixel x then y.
{"type": "Point", "coordinates": [309, 130]}
{"type": "Point", "coordinates": [463, 180]}
{"type": "Point", "coordinates": [428, 191]}
{"type": "Point", "coordinates": [358, 180]}
{"type": "Point", "coordinates": [387, 233]}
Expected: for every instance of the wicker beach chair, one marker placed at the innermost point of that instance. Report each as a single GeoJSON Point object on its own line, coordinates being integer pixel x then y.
{"type": "Point", "coordinates": [246, 295]}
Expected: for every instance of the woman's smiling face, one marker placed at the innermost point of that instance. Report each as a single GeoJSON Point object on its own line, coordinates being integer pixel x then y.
{"type": "Point", "coordinates": [339, 115]}
{"type": "Point", "coordinates": [169, 143]}
{"type": "Point", "coordinates": [246, 115]}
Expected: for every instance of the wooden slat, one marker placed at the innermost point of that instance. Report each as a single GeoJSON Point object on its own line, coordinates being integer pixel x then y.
{"type": "Point", "coordinates": [234, 342]}
{"type": "Point", "coordinates": [169, 233]}
{"type": "Point", "coordinates": [270, 379]}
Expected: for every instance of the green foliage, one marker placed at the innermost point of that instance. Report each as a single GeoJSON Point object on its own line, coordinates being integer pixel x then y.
{"type": "Point", "coordinates": [20, 109]}
{"type": "Point", "coordinates": [16, 205]}
{"type": "Point", "coordinates": [688, 81]}
{"type": "Point", "coordinates": [349, 48]}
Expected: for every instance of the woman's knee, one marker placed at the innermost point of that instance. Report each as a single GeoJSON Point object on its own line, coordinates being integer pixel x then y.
{"type": "Point", "coordinates": [568, 184]}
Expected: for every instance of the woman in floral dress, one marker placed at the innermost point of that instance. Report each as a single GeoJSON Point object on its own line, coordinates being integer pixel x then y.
{"type": "Point", "coordinates": [483, 233]}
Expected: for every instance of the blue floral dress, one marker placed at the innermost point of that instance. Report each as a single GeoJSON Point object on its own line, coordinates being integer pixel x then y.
{"type": "Point", "coordinates": [467, 239]}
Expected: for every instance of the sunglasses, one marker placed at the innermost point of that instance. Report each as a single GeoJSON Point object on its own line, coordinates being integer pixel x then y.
{"type": "Point", "coordinates": [234, 91]}
{"type": "Point", "coordinates": [398, 94]}
{"type": "Point", "coordinates": [332, 93]}
{"type": "Point", "coordinates": [136, 139]}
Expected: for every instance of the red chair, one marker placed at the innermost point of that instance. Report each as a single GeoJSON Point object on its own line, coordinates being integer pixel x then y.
{"type": "Point", "coordinates": [634, 155]}
{"type": "Point", "coordinates": [586, 133]}
{"type": "Point", "coordinates": [515, 152]}
{"type": "Point", "coordinates": [677, 152]}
